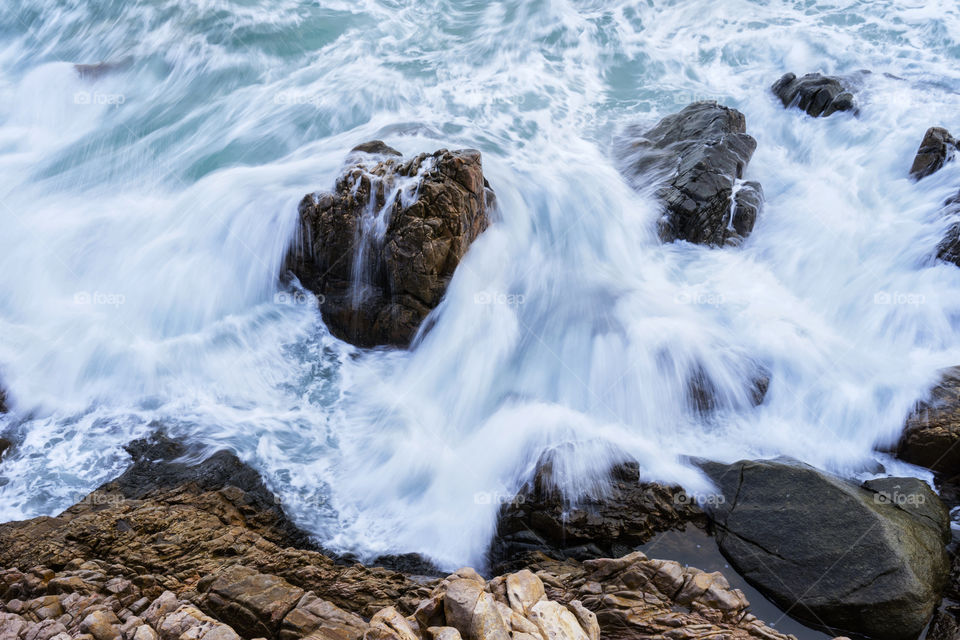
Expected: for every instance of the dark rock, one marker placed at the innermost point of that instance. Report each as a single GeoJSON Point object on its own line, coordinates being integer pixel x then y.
{"type": "Point", "coordinates": [747, 204]}
{"type": "Point", "coordinates": [703, 395]}
{"type": "Point", "coordinates": [100, 69]}
{"type": "Point", "coordinates": [931, 433]}
{"type": "Point", "coordinates": [836, 556]}
{"type": "Point", "coordinates": [381, 248]}
{"type": "Point", "coordinates": [936, 148]}
{"type": "Point", "coordinates": [699, 154]}
{"type": "Point", "coordinates": [949, 248]}
{"type": "Point", "coordinates": [5, 446]}
{"type": "Point", "coordinates": [628, 515]}
{"type": "Point", "coordinates": [816, 94]}
{"type": "Point", "coordinates": [161, 464]}
{"type": "Point", "coordinates": [376, 147]}
{"type": "Point", "coordinates": [408, 563]}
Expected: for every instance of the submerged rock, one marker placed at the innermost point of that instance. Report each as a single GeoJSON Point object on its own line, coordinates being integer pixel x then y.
{"type": "Point", "coordinates": [700, 155]}
{"type": "Point", "coordinates": [381, 248]}
{"type": "Point", "coordinates": [627, 515]}
{"type": "Point", "coordinates": [814, 93]}
{"type": "Point", "coordinates": [931, 434]}
{"type": "Point", "coordinates": [866, 559]}
{"type": "Point", "coordinates": [100, 69]}
{"type": "Point", "coordinates": [936, 148]}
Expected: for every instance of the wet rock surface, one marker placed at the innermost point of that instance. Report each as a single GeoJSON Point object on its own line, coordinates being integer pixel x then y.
{"type": "Point", "coordinates": [931, 434]}
{"type": "Point", "coordinates": [699, 155]}
{"type": "Point", "coordinates": [816, 94]}
{"type": "Point", "coordinates": [869, 559]}
{"type": "Point", "coordinates": [380, 249]}
{"type": "Point", "coordinates": [936, 148]}
{"type": "Point", "coordinates": [614, 524]}
{"type": "Point", "coordinates": [192, 559]}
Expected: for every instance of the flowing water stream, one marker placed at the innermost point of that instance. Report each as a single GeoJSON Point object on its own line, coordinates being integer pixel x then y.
{"type": "Point", "coordinates": [145, 210]}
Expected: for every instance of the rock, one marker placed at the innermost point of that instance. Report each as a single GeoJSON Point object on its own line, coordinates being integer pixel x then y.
{"type": "Point", "coordinates": [699, 154]}
{"type": "Point", "coordinates": [3, 401]}
{"type": "Point", "coordinates": [633, 597]}
{"type": "Point", "coordinates": [5, 447]}
{"type": "Point", "coordinates": [932, 430]}
{"type": "Point", "coordinates": [816, 94]}
{"type": "Point", "coordinates": [251, 602]}
{"type": "Point", "coordinates": [388, 623]}
{"type": "Point", "coordinates": [312, 615]}
{"type": "Point", "coordinates": [381, 248]}
{"type": "Point", "coordinates": [936, 148]}
{"type": "Point", "coordinates": [628, 515]}
{"type": "Point", "coordinates": [100, 69]}
{"type": "Point", "coordinates": [169, 536]}
{"type": "Point", "coordinates": [835, 555]}
{"type": "Point", "coordinates": [102, 625]}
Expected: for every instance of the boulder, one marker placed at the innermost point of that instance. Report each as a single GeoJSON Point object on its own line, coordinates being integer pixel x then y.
{"type": "Point", "coordinates": [253, 603]}
{"type": "Point", "coordinates": [380, 249]}
{"type": "Point", "coordinates": [699, 156]}
{"type": "Point", "coordinates": [931, 434]}
{"type": "Point", "coordinates": [814, 93]}
{"type": "Point", "coordinates": [936, 148]}
{"type": "Point", "coordinates": [867, 560]}
{"type": "Point", "coordinates": [629, 514]}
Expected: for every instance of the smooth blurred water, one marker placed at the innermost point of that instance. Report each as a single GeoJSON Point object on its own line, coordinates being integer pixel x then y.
{"type": "Point", "coordinates": [144, 216]}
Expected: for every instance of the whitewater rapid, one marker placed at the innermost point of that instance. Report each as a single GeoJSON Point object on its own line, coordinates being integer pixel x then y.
{"type": "Point", "coordinates": [144, 217]}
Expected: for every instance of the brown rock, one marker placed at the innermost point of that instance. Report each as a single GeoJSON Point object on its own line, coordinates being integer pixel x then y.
{"type": "Point", "coordinates": [253, 603]}
{"type": "Point", "coordinates": [932, 432]}
{"type": "Point", "coordinates": [629, 514]}
{"type": "Point", "coordinates": [381, 248]}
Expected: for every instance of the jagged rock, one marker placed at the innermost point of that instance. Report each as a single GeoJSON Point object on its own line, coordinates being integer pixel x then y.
{"type": "Point", "coordinates": [700, 154]}
{"type": "Point", "coordinates": [949, 248]}
{"type": "Point", "coordinates": [5, 446]}
{"type": "Point", "coordinates": [932, 432]}
{"type": "Point", "coordinates": [381, 248]}
{"type": "Point", "coordinates": [170, 536]}
{"type": "Point", "coordinates": [814, 93]}
{"type": "Point", "coordinates": [628, 515]}
{"type": "Point", "coordinates": [636, 597]}
{"type": "Point", "coordinates": [190, 562]}
{"type": "Point", "coordinates": [835, 555]}
{"type": "Point", "coordinates": [936, 148]}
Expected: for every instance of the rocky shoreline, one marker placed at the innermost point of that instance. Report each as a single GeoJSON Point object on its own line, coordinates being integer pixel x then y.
{"type": "Point", "coordinates": [173, 549]}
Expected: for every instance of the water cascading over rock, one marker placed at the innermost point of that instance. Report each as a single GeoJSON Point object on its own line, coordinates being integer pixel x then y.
{"type": "Point", "coordinates": [380, 249]}
{"type": "Point", "coordinates": [699, 156]}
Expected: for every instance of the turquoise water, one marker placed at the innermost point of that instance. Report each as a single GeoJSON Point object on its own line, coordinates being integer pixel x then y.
{"type": "Point", "coordinates": [145, 214]}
